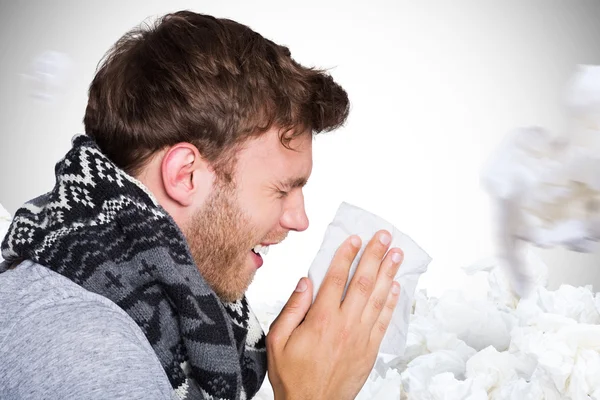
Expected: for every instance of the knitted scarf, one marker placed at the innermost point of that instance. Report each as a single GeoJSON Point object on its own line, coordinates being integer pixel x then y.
{"type": "Point", "coordinates": [104, 230]}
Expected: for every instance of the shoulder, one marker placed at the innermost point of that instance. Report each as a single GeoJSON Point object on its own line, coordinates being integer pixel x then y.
{"type": "Point", "coordinates": [58, 340]}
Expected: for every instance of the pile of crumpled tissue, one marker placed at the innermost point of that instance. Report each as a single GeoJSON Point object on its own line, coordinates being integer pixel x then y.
{"type": "Point", "coordinates": [499, 347]}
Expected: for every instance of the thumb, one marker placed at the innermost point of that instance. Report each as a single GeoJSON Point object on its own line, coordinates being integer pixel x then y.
{"type": "Point", "coordinates": [292, 313]}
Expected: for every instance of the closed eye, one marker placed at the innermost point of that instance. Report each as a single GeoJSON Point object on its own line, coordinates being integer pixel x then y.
{"type": "Point", "coordinates": [292, 183]}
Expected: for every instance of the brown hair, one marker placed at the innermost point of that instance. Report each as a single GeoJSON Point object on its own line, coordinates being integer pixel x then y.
{"type": "Point", "coordinates": [207, 81]}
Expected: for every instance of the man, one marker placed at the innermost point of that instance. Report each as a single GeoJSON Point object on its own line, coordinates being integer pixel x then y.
{"type": "Point", "coordinates": [127, 280]}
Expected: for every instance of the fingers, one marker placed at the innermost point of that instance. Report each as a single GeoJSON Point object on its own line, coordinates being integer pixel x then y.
{"type": "Point", "coordinates": [291, 315]}
{"type": "Point", "coordinates": [332, 288]}
{"type": "Point", "coordinates": [365, 278]}
{"type": "Point", "coordinates": [387, 272]}
{"type": "Point", "coordinates": [383, 321]}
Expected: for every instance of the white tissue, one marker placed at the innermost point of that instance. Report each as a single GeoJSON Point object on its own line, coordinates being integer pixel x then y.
{"type": "Point", "coordinates": [546, 187]}
{"type": "Point", "coordinates": [479, 323]}
{"type": "Point", "coordinates": [381, 389]}
{"type": "Point", "coordinates": [47, 75]}
{"type": "Point", "coordinates": [350, 220]}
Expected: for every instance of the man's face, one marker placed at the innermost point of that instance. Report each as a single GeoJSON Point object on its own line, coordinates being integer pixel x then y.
{"type": "Point", "coordinates": [262, 204]}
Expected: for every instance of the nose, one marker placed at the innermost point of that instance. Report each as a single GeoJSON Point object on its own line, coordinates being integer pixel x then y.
{"type": "Point", "coordinates": [294, 216]}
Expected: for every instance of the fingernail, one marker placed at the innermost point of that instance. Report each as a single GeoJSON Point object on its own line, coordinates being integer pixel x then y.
{"type": "Point", "coordinates": [395, 288]}
{"type": "Point", "coordinates": [396, 257]}
{"type": "Point", "coordinates": [301, 287]}
{"type": "Point", "coordinates": [384, 238]}
{"type": "Point", "coordinates": [355, 240]}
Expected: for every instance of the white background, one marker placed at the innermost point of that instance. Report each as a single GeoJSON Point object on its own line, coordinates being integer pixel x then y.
{"type": "Point", "coordinates": [433, 85]}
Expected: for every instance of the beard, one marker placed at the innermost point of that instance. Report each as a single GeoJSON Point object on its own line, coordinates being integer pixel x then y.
{"type": "Point", "coordinates": [220, 236]}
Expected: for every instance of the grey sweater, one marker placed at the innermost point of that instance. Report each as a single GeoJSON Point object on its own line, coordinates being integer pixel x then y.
{"type": "Point", "coordinates": [60, 341]}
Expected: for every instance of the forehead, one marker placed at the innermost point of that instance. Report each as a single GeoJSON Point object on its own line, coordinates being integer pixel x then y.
{"type": "Point", "coordinates": [266, 155]}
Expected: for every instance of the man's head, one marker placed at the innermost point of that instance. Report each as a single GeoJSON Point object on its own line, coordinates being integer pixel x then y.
{"type": "Point", "coordinates": [218, 122]}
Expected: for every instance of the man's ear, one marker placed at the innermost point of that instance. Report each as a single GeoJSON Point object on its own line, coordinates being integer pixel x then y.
{"type": "Point", "coordinates": [187, 177]}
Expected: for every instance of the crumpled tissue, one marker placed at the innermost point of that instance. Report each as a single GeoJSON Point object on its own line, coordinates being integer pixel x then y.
{"type": "Point", "coordinates": [351, 220]}
{"type": "Point", "coordinates": [546, 187]}
{"type": "Point", "coordinates": [479, 323]}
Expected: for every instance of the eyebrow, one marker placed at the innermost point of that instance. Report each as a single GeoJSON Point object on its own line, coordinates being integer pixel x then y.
{"type": "Point", "coordinates": [293, 183]}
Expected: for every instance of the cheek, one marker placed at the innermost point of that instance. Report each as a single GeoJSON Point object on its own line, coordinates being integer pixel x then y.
{"type": "Point", "coordinates": [266, 217]}
{"type": "Point", "coordinates": [262, 208]}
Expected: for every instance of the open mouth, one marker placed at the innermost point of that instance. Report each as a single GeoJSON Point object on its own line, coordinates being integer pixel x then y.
{"type": "Point", "coordinates": [260, 250]}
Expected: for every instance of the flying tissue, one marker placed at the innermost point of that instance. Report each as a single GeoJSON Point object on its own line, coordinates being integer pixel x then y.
{"type": "Point", "coordinates": [546, 187]}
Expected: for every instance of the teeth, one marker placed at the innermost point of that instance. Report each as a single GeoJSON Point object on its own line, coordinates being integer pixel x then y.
{"type": "Point", "coordinates": [259, 249]}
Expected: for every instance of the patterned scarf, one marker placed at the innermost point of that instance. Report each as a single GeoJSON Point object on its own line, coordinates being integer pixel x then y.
{"type": "Point", "coordinates": [104, 230]}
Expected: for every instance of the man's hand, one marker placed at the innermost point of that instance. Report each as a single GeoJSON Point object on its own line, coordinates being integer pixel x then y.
{"type": "Point", "coordinates": [328, 350]}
